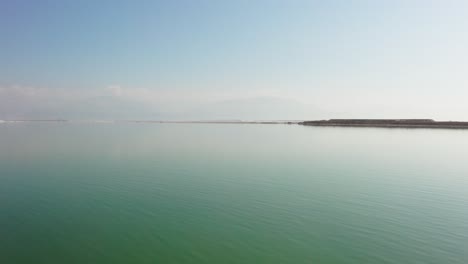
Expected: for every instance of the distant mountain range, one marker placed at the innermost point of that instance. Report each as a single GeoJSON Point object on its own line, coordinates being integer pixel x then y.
{"type": "Point", "coordinates": [115, 108]}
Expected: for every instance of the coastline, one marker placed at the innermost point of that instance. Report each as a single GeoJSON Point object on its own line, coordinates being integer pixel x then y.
{"type": "Point", "coordinates": [388, 123]}
{"type": "Point", "coordinates": [371, 123]}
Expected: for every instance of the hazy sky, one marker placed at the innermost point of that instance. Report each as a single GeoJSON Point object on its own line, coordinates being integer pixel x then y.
{"type": "Point", "coordinates": [233, 59]}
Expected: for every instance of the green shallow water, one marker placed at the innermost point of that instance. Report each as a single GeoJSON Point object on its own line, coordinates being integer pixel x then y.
{"type": "Point", "coordinates": [201, 193]}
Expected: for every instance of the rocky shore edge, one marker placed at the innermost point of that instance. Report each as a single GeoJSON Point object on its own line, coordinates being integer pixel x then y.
{"type": "Point", "coordinates": [388, 123]}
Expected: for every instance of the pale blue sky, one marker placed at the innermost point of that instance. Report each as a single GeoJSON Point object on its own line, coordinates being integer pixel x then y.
{"type": "Point", "coordinates": [233, 59]}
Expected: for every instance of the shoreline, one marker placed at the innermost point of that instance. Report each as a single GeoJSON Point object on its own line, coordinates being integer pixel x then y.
{"type": "Point", "coordinates": [388, 123]}
{"type": "Point", "coordinates": [370, 123]}
{"type": "Point", "coordinates": [295, 122]}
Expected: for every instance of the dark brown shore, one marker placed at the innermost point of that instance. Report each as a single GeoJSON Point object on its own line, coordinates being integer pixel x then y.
{"type": "Point", "coordinates": [388, 123]}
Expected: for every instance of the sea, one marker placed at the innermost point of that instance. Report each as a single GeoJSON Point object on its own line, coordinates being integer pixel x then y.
{"type": "Point", "coordinates": [231, 193]}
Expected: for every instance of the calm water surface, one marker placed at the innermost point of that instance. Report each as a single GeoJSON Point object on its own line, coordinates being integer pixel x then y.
{"type": "Point", "coordinates": [201, 193]}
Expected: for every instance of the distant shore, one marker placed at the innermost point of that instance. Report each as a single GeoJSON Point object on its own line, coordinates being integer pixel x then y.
{"type": "Point", "coordinates": [290, 122]}
{"type": "Point", "coordinates": [221, 122]}
{"type": "Point", "coordinates": [388, 123]}
{"type": "Point", "coordinates": [378, 123]}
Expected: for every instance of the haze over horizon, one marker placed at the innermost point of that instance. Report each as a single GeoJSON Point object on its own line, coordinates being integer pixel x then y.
{"type": "Point", "coordinates": [233, 59]}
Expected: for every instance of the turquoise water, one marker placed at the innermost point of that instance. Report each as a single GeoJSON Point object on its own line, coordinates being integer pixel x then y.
{"type": "Point", "coordinates": [207, 193]}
